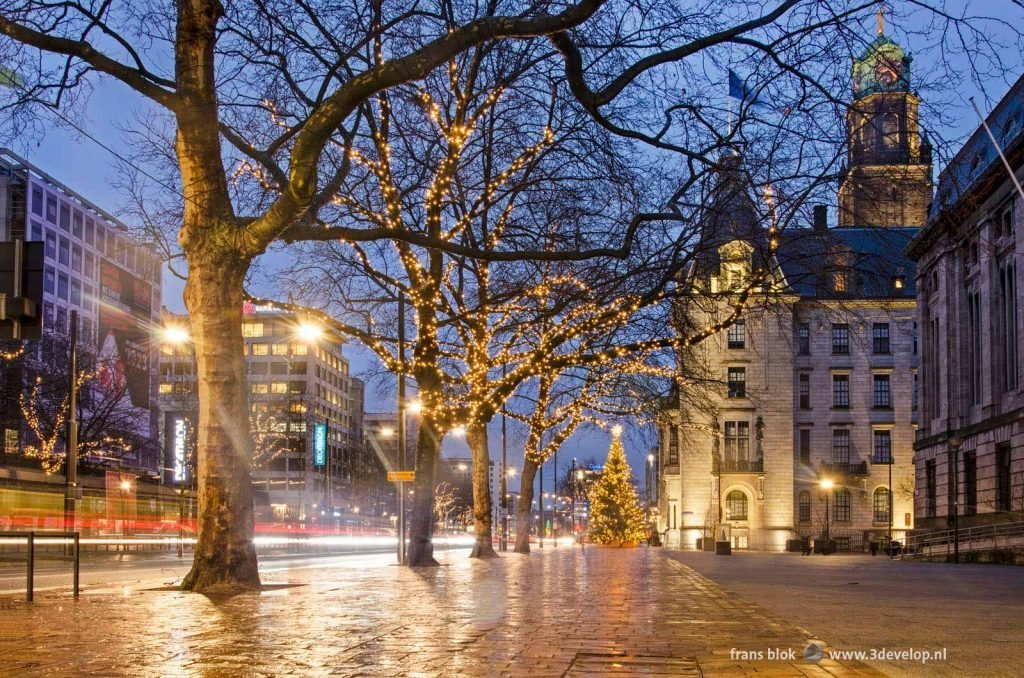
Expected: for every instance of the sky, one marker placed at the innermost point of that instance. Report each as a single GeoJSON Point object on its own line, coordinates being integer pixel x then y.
{"type": "Point", "coordinates": [90, 169]}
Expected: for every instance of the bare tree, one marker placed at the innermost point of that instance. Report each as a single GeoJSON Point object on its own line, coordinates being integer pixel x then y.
{"type": "Point", "coordinates": [263, 116]}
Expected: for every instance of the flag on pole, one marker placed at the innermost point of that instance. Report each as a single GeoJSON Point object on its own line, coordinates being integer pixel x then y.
{"type": "Point", "coordinates": [738, 89]}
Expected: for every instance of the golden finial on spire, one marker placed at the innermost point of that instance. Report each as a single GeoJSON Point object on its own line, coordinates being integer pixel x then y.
{"type": "Point", "coordinates": [881, 19]}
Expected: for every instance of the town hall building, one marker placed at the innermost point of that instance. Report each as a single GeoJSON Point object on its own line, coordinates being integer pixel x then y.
{"type": "Point", "coordinates": [797, 421]}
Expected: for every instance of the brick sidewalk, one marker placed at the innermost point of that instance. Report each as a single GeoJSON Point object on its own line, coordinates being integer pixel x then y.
{"type": "Point", "coordinates": [557, 612]}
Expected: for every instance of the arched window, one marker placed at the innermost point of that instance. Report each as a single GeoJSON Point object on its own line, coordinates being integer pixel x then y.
{"type": "Point", "coordinates": [890, 129]}
{"type": "Point", "coordinates": [805, 507]}
{"type": "Point", "coordinates": [881, 504]}
{"type": "Point", "coordinates": [841, 505]}
{"type": "Point", "coordinates": [736, 505]}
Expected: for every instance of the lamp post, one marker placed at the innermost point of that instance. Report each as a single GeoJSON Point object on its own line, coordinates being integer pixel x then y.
{"type": "Point", "coordinates": [540, 503]}
{"type": "Point", "coordinates": [650, 480]}
{"type": "Point", "coordinates": [827, 484]}
{"type": "Point", "coordinates": [554, 501]}
{"type": "Point", "coordinates": [71, 442]}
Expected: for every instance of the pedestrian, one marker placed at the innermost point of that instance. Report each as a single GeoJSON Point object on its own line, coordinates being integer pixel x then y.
{"type": "Point", "coordinates": [874, 548]}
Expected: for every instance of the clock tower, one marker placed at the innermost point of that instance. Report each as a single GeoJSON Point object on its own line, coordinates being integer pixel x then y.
{"type": "Point", "coordinates": [888, 180]}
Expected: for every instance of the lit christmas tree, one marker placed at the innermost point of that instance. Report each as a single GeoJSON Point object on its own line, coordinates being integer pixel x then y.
{"type": "Point", "coordinates": [615, 513]}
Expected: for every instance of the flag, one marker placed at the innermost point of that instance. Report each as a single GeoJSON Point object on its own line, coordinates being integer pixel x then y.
{"type": "Point", "coordinates": [738, 89]}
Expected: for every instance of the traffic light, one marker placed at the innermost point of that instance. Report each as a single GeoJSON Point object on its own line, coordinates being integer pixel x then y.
{"type": "Point", "coordinates": [21, 289]}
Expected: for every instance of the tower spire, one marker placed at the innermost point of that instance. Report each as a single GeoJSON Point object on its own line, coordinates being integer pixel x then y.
{"type": "Point", "coordinates": [881, 18]}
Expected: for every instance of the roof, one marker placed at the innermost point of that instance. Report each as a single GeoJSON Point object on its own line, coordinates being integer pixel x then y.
{"type": "Point", "coordinates": [977, 157]}
{"type": "Point", "coordinates": [874, 255]}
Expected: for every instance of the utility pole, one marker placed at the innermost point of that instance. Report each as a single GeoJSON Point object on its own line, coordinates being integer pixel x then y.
{"type": "Point", "coordinates": [540, 504]}
{"type": "Point", "coordinates": [71, 439]}
{"type": "Point", "coordinates": [503, 541]}
{"type": "Point", "coordinates": [401, 455]}
{"type": "Point", "coordinates": [954, 455]}
{"type": "Point", "coordinates": [554, 503]}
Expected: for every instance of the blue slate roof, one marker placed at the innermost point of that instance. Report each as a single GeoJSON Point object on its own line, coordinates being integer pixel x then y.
{"type": "Point", "coordinates": [978, 155]}
{"type": "Point", "coordinates": [871, 256]}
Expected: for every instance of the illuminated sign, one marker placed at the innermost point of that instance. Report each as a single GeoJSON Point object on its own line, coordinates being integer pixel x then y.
{"type": "Point", "coordinates": [319, 444]}
{"type": "Point", "coordinates": [179, 443]}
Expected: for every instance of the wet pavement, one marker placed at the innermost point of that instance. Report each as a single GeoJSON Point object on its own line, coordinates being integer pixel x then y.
{"type": "Point", "coordinates": [556, 612]}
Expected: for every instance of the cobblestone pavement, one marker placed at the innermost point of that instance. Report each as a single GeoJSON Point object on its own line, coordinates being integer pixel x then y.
{"type": "Point", "coordinates": [557, 612]}
{"type": "Point", "coordinates": [859, 603]}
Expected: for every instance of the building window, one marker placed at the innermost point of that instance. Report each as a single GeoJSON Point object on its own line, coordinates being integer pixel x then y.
{"type": "Point", "coordinates": [841, 505]}
{"type": "Point", "coordinates": [63, 256]}
{"type": "Point", "coordinates": [805, 446]}
{"type": "Point", "coordinates": [839, 281]}
{"type": "Point", "coordinates": [973, 346]}
{"type": "Point", "coordinates": [90, 231]}
{"type": "Point", "coordinates": [279, 349]}
{"type": "Point", "coordinates": [10, 441]}
{"type": "Point", "coordinates": [805, 391]}
{"type": "Point", "coordinates": [62, 286]}
{"type": "Point", "coordinates": [840, 339]}
{"type": "Point", "coordinates": [841, 390]}
{"type": "Point", "coordinates": [841, 446]}
{"type": "Point", "coordinates": [260, 349]}
{"type": "Point", "coordinates": [300, 349]}
{"type": "Point", "coordinates": [880, 338]}
{"type": "Point", "coordinates": [279, 387]}
{"type": "Point", "coordinates": [970, 483]}
{"type": "Point", "coordinates": [883, 447]}
{"type": "Point", "coordinates": [259, 388]}
{"type": "Point", "coordinates": [37, 201]}
{"type": "Point", "coordinates": [737, 334]}
{"type": "Point", "coordinates": [881, 505]}
{"type": "Point", "coordinates": [252, 329]}
{"type": "Point", "coordinates": [737, 440]}
{"type": "Point", "coordinates": [736, 505]}
{"type": "Point", "coordinates": [930, 488]}
{"type": "Point", "coordinates": [890, 129]}
{"type": "Point", "coordinates": [51, 245]}
{"type": "Point", "coordinates": [1004, 221]}
{"type": "Point", "coordinates": [673, 445]}
{"type": "Point", "coordinates": [1003, 480]}
{"type": "Point", "coordinates": [49, 280]}
{"type": "Point", "coordinates": [805, 507]}
{"type": "Point", "coordinates": [803, 337]}
{"type": "Point", "coordinates": [881, 394]}
{"type": "Point", "coordinates": [1008, 322]}
{"type": "Point", "coordinates": [737, 382]}
{"type": "Point", "coordinates": [898, 283]}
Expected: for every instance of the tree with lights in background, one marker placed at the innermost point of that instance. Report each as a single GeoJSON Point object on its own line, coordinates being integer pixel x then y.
{"type": "Point", "coordinates": [615, 513]}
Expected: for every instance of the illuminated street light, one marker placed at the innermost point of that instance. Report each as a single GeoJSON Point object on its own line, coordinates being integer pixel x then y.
{"type": "Point", "coordinates": [310, 331]}
{"type": "Point", "coordinates": [175, 335]}
{"type": "Point", "coordinates": [827, 484]}
{"type": "Point", "coordinates": [463, 467]}
{"type": "Point", "coordinates": [386, 432]}
{"type": "Point", "coordinates": [126, 485]}
{"type": "Point", "coordinates": [511, 472]}
{"type": "Point", "coordinates": [459, 431]}
{"type": "Point", "coordinates": [415, 407]}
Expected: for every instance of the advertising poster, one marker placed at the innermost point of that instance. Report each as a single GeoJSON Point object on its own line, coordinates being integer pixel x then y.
{"type": "Point", "coordinates": [125, 308]}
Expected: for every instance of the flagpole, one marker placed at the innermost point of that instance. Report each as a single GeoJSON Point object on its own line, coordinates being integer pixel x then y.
{"type": "Point", "coordinates": [1006, 163]}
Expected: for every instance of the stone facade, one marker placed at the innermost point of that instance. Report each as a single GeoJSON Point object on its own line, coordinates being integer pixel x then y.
{"type": "Point", "coordinates": [818, 382]}
{"type": "Point", "coordinates": [970, 446]}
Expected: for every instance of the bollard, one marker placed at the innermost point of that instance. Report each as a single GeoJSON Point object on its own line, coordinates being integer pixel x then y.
{"type": "Point", "coordinates": [30, 560]}
{"type": "Point", "coordinates": [77, 562]}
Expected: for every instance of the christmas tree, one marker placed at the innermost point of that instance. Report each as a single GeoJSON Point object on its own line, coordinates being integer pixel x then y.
{"type": "Point", "coordinates": [615, 513]}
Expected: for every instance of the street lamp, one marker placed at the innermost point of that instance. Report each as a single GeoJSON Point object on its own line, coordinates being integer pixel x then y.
{"type": "Point", "coordinates": [827, 484]}
{"type": "Point", "coordinates": [458, 432]}
{"type": "Point", "coordinates": [309, 331]}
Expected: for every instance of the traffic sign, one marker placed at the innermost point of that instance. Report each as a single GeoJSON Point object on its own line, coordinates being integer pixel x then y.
{"type": "Point", "coordinates": [401, 476]}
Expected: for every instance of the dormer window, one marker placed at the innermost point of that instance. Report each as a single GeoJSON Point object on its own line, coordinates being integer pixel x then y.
{"type": "Point", "coordinates": [735, 264]}
{"type": "Point", "coordinates": [898, 283]}
{"type": "Point", "coordinates": [839, 281]}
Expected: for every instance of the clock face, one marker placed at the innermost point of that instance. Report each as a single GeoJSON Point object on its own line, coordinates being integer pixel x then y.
{"type": "Point", "coordinates": [887, 72]}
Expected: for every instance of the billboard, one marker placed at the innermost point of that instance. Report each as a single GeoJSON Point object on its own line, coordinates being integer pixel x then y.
{"type": "Point", "coordinates": [124, 337]}
{"type": "Point", "coordinates": [319, 444]}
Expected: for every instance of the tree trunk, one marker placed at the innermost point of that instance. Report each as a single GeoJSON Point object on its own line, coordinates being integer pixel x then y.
{"type": "Point", "coordinates": [525, 501]}
{"type": "Point", "coordinates": [421, 520]}
{"type": "Point", "coordinates": [483, 547]}
{"type": "Point", "coordinates": [225, 558]}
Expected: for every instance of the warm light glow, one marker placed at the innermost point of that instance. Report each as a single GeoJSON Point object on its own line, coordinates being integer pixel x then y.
{"type": "Point", "coordinates": [309, 331]}
{"type": "Point", "coordinates": [386, 432]}
{"type": "Point", "coordinates": [175, 335]}
{"type": "Point", "coordinates": [414, 407]}
{"type": "Point", "coordinates": [617, 430]}
{"type": "Point", "coordinates": [458, 431]}
{"type": "Point", "coordinates": [355, 509]}
{"type": "Point", "coordinates": [579, 475]}
{"type": "Point", "coordinates": [650, 458]}
{"type": "Point", "coordinates": [126, 485]}
{"type": "Point", "coordinates": [827, 484]}
{"type": "Point", "coordinates": [462, 467]}
{"type": "Point", "coordinates": [511, 471]}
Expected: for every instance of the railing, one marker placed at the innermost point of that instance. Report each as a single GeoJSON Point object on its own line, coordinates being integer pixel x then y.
{"type": "Point", "coordinates": [981, 538]}
{"type": "Point", "coordinates": [738, 466]}
{"type": "Point", "coordinates": [857, 468]}
{"type": "Point", "coordinates": [30, 556]}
